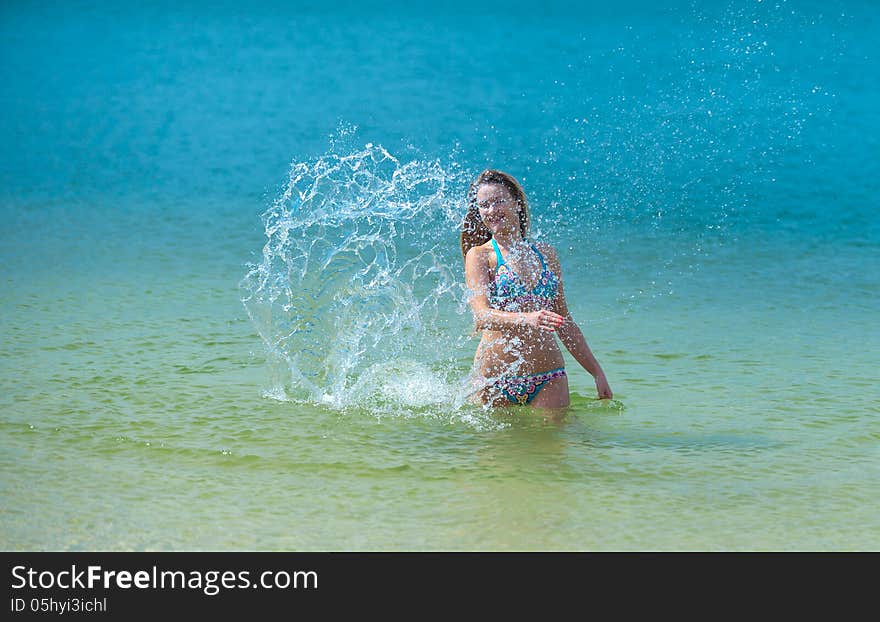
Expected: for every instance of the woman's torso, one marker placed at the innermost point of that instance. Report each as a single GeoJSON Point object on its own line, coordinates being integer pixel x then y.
{"type": "Point", "coordinates": [519, 286]}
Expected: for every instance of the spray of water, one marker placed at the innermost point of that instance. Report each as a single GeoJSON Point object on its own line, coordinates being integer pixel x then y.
{"type": "Point", "coordinates": [358, 297]}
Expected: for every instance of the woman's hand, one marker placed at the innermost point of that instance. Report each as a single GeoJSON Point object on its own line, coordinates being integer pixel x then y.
{"type": "Point", "coordinates": [543, 319]}
{"type": "Point", "coordinates": [603, 388]}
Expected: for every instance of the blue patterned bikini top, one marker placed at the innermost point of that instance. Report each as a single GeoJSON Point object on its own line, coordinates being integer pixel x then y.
{"type": "Point", "coordinates": [507, 292]}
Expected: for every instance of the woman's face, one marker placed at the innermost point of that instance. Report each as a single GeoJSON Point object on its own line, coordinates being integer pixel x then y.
{"type": "Point", "coordinates": [498, 209]}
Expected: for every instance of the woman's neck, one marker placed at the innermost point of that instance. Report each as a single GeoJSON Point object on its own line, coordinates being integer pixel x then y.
{"type": "Point", "coordinates": [508, 239]}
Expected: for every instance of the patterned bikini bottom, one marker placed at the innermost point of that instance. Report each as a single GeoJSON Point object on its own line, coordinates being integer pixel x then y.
{"type": "Point", "coordinates": [523, 389]}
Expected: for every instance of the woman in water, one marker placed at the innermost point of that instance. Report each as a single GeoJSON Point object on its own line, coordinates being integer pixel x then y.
{"type": "Point", "coordinates": [518, 302]}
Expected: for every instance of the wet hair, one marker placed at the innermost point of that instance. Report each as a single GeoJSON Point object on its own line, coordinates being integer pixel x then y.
{"type": "Point", "coordinates": [473, 231]}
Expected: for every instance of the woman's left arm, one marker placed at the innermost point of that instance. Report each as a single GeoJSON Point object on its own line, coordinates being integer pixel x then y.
{"type": "Point", "coordinates": [571, 336]}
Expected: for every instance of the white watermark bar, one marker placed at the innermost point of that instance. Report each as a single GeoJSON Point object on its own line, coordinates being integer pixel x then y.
{"type": "Point", "coordinates": [334, 585]}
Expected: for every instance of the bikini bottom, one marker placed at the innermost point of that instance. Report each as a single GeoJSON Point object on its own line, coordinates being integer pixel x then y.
{"type": "Point", "coordinates": [523, 389]}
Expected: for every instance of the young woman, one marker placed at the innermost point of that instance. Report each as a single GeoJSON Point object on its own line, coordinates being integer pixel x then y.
{"type": "Point", "coordinates": [518, 302]}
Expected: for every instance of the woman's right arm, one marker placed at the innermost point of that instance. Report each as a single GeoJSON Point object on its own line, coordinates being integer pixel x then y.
{"type": "Point", "coordinates": [478, 276]}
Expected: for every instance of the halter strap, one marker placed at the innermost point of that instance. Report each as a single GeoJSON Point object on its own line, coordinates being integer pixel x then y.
{"type": "Point", "coordinates": [497, 252]}
{"type": "Point", "coordinates": [534, 248]}
{"type": "Point", "coordinates": [540, 256]}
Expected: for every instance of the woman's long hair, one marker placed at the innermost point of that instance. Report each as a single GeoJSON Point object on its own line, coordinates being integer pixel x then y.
{"type": "Point", "coordinates": [473, 231]}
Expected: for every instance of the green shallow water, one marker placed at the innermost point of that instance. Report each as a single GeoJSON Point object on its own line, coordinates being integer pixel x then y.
{"type": "Point", "coordinates": [743, 419]}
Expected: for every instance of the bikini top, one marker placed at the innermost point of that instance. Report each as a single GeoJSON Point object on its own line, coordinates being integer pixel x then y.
{"type": "Point", "coordinates": [507, 292]}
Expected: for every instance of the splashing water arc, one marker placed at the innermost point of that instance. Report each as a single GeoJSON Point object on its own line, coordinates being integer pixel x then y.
{"type": "Point", "coordinates": [359, 281]}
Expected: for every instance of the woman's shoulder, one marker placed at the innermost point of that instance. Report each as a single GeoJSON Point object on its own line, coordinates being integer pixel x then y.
{"type": "Point", "coordinates": [548, 250]}
{"type": "Point", "coordinates": [480, 248]}
{"type": "Point", "coordinates": [550, 256]}
{"type": "Point", "coordinates": [480, 252]}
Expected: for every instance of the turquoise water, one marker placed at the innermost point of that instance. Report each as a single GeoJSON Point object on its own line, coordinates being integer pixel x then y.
{"type": "Point", "coordinates": [197, 357]}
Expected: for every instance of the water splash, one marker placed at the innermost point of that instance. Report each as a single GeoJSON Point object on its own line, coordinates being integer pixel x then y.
{"type": "Point", "coordinates": [684, 150]}
{"type": "Point", "coordinates": [360, 281]}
